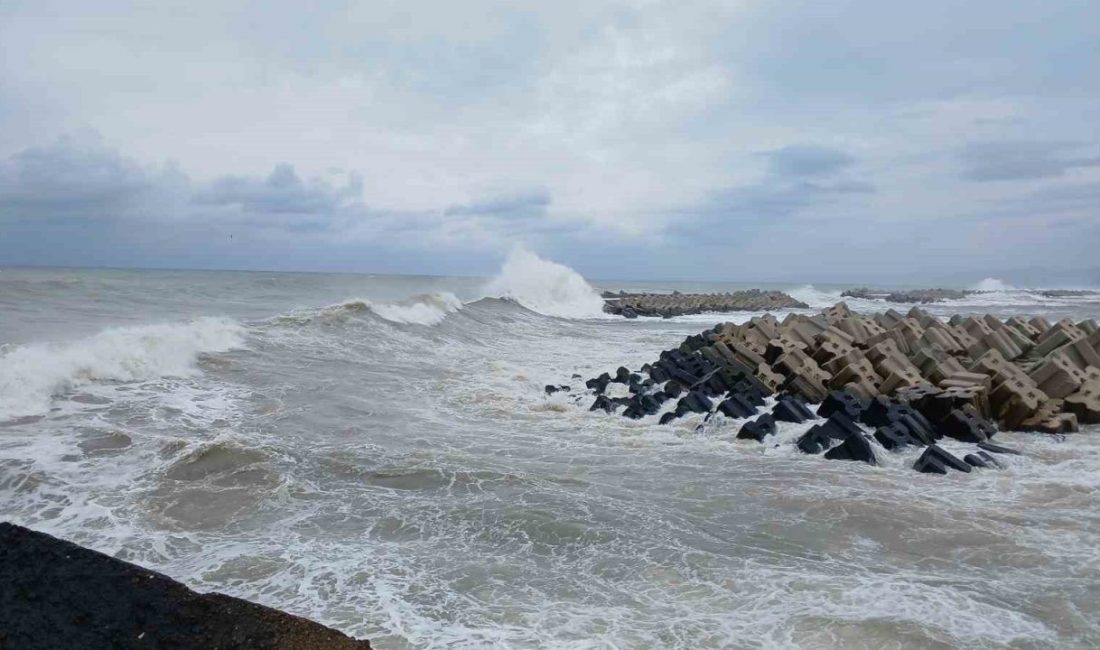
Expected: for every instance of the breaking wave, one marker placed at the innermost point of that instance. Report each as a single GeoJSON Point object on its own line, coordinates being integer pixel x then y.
{"type": "Point", "coordinates": [425, 309]}
{"type": "Point", "coordinates": [546, 287]}
{"type": "Point", "coordinates": [30, 375]}
{"type": "Point", "coordinates": [994, 284]}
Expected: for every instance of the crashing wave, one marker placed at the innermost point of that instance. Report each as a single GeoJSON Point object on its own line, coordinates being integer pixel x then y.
{"type": "Point", "coordinates": [994, 284]}
{"type": "Point", "coordinates": [546, 287]}
{"type": "Point", "coordinates": [425, 309]}
{"type": "Point", "coordinates": [30, 375]}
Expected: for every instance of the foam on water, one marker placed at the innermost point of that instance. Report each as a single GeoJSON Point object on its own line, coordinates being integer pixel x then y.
{"type": "Point", "coordinates": [31, 375]}
{"type": "Point", "coordinates": [546, 287]}
{"type": "Point", "coordinates": [416, 485]}
{"type": "Point", "coordinates": [426, 309]}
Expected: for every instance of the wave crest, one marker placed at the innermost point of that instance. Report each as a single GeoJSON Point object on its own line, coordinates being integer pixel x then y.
{"type": "Point", "coordinates": [546, 287]}
{"type": "Point", "coordinates": [425, 309]}
{"type": "Point", "coordinates": [31, 375]}
{"type": "Point", "coordinates": [994, 284]}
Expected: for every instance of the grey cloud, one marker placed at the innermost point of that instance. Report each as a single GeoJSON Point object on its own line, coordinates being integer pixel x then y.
{"type": "Point", "coordinates": [282, 192]}
{"type": "Point", "coordinates": [807, 160]}
{"type": "Point", "coordinates": [1021, 160]}
{"type": "Point", "coordinates": [70, 178]}
{"type": "Point", "coordinates": [527, 204]}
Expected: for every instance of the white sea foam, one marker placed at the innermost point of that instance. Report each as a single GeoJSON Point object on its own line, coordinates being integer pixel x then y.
{"type": "Point", "coordinates": [994, 284]}
{"type": "Point", "coordinates": [31, 375]}
{"type": "Point", "coordinates": [425, 309]}
{"type": "Point", "coordinates": [816, 298]}
{"type": "Point", "coordinates": [546, 287]}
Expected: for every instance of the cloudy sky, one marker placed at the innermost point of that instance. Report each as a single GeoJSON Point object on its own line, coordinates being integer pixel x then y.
{"type": "Point", "coordinates": [743, 140]}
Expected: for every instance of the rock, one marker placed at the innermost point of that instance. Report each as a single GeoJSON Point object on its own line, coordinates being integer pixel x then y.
{"type": "Point", "coordinates": [820, 436]}
{"type": "Point", "coordinates": [791, 409]}
{"type": "Point", "coordinates": [893, 437]}
{"type": "Point", "coordinates": [622, 376]}
{"type": "Point", "coordinates": [1058, 377]}
{"type": "Point", "coordinates": [966, 426]}
{"type": "Point", "coordinates": [841, 402]}
{"type": "Point", "coordinates": [998, 449]}
{"type": "Point", "coordinates": [602, 403]}
{"type": "Point", "coordinates": [667, 417]}
{"type": "Point", "coordinates": [974, 460]}
{"type": "Point", "coordinates": [814, 441]}
{"type": "Point", "coordinates": [758, 429]}
{"type": "Point", "coordinates": [693, 402]}
{"type": "Point", "coordinates": [937, 460]}
{"type": "Point", "coordinates": [737, 406]}
{"type": "Point", "coordinates": [854, 447]}
{"type": "Point", "coordinates": [551, 389]}
{"type": "Point", "coordinates": [1085, 403]}
{"type": "Point", "coordinates": [55, 594]}
{"type": "Point", "coordinates": [598, 384]}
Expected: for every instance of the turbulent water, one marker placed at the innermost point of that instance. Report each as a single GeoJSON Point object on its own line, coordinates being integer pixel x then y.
{"type": "Point", "coordinates": [377, 453]}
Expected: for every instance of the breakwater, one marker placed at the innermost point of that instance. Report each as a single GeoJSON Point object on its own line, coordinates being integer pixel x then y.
{"type": "Point", "coordinates": [911, 379]}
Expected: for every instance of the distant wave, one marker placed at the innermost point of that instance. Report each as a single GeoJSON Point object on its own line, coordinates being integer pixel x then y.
{"type": "Point", "coordinates": [994, 284]}
{"type": "Point", "coordinates": [30, 375]}
{"type": "Point", "coordinates": [546, 287]}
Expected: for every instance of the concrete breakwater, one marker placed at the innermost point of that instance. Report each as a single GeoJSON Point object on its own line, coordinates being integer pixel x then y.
{"type": "Point", "coordinates": [910, 378]}
{"type": "Point", "coordinates": [55, 594]}
{"type": "Point", "coordinates": [909, 296]}
{"type": "Point", "coordinates": [667, 305]}
{"type": "Point", "coordinates": [927, 296]}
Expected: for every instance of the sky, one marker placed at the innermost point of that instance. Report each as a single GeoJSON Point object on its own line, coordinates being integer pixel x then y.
{"type": "Point", "coordinates": [743, 140]}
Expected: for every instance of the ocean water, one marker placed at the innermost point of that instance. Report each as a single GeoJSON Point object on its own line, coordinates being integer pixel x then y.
{"type": "Point", "coordinates": [377, 453]}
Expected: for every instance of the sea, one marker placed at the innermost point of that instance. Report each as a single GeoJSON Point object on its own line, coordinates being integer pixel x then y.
{"type": "Point", "coordinates": [378, 453]}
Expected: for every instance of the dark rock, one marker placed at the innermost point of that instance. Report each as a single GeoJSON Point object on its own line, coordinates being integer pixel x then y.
{"type": "Point", "coordinates": [964, 425]}
{"type": "Point", "coordinates": [998, 449]}
{"type": "Point", "coordinates": [55, 594]}
{"type": "Point", "coordinates": [839, 401]}
{"type": "Point", "coordinates": [667, 417]}
{"type": "Point", "coordinates": [737, 406]}
{"type": "Point", "coordinates": [674, 389]}
{"type": "Point", "coordinates": [598, 384]}
{"type": "Point", "coordinates": [814, 441]}
{"type": "Point", "coordinates": [693, 402]}
{"type": "Point", "coordinates": [894, 437]}
{"type": "Point", "coordinates": [974, 460]}
{"type": "Point", "coordinates": [937, 460]}
{"type": "Point", "coordinates": [602, 403]}
{"type": "Point", "coordinates": [854, 447]}
{"type": "Point", "coordinates": [789, 409]}
{"type": "Point", "coordinates": [550, 389]}
{"type": "Point", "coordinates": [622, 376]}
{"type": "Point", "coordinates": [757, 429]}
{"type": "Point", "coordinates": [990, 460]}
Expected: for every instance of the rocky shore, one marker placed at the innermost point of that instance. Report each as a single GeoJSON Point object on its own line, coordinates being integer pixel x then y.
{"type": "Point", "coordinates": [55, 594]}
{"type": "Point", "coordinates": [885, 381]}
{"type": "Point", "coordinates": [667, 305]}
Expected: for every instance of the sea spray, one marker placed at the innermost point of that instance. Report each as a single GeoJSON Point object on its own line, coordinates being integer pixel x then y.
{"type": "Point", "coordinates": [546, 287]}
{"type": "Point", "coordinates": [425, 309]}
{"type": "Point", "coordinates": [30, 375]}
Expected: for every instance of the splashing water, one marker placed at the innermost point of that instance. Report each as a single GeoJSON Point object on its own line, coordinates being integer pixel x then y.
{"type": "Point", "coordinates": [546, 287]}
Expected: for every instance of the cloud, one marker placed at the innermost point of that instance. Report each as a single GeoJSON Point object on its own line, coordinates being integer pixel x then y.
{"type": "Point", "coordinates": [1021, 160]}
{"type": "Point", "coordinates": [521, 205]}
{"type": "Point", "coordinates": [648, 130]}
{"type": "Point", "coordinates": [807, 160]}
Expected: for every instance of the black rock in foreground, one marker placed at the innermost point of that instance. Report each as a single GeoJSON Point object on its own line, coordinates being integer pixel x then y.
{"type": "Point", "coordinates": [55, 594]}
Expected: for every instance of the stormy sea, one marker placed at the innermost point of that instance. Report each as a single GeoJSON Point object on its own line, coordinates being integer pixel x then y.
{"type": "Point", "coordinates": [378, 453]}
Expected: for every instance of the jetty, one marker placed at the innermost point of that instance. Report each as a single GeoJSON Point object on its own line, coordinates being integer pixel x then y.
{"type": "Point", "coordinates": [887, 380]}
